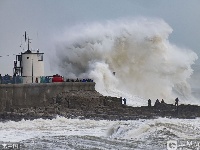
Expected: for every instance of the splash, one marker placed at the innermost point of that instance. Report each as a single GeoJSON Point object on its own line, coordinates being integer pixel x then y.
{"type": "Point", "coordinates": [138, 51]}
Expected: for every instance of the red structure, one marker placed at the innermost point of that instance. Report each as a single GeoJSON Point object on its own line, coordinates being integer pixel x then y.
{"type": "Point", "coordinates": [57, 78]}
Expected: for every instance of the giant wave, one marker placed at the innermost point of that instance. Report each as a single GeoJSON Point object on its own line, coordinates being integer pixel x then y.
{"type": "Point", "coordinates": [138, 50]}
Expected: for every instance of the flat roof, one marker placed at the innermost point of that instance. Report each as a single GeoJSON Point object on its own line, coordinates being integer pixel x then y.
{"type": "Point", "coordinates": [30, 52]}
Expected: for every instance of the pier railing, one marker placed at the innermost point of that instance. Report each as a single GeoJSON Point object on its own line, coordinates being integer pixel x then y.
{"type": "Point", "coordinates": [7, 79]}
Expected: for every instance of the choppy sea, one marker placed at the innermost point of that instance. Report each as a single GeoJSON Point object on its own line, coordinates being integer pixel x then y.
{"type": "Point", "coordinates": [74, 134]}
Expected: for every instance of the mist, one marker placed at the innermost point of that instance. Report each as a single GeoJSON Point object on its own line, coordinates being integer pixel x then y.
{"type": "Point", "coordinates": [137, 50]}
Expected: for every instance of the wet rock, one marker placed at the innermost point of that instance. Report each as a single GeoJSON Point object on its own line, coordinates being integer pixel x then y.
{"type": "Point", "coordinates": [92, 105]}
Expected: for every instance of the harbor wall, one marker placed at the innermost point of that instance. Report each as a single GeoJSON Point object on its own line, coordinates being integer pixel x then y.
{"type": "Point", "coordinates": [36, 94]}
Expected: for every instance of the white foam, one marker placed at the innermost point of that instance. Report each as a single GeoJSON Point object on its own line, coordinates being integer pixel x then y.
{"type": "Point", "coordinates": [137, 50]}
{"type": "Point", "coordinates": [22, 130]}
{"type": "Point", "coordinates": [132, 129]}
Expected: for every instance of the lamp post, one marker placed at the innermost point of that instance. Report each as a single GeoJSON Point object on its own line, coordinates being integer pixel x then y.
{"type": "Point", "coordinates": [32, 70]}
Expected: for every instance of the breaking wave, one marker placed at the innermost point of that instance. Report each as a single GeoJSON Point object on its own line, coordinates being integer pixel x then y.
{"type": "Point", "coordinates": [62, 133]}
{"type": "Point", "coordinates": [137, 50]}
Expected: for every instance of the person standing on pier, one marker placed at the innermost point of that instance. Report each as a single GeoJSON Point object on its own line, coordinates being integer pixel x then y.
{"type": "Point", "coordinates": [176, 101]}
{"type": "Point", "coordinates": [124, 101]}
{"type": "Point", "coordinates": [149, 103]}
{"type": "Point", "coordinates": [162, 101]}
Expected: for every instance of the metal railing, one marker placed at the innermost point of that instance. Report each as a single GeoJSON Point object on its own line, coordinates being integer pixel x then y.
{"type": "Point", "coordinates": [7, 79]}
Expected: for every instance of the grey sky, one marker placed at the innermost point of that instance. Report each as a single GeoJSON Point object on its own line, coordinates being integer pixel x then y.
{"type": "Point", "coordinates": [42, 19]}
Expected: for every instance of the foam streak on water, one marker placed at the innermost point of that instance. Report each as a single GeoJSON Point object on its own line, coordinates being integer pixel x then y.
{"type": "Point", "coordinates": [62, 133]}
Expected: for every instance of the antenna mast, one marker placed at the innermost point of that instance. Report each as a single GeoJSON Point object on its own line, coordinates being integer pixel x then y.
{"type": "Point", "coordinates": [25, 37]}
{"type": "Point", "coordinates": [28, 43]}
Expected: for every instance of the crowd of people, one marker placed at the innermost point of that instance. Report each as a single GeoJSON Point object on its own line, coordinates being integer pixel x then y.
{"type": "Point", "coordinates": [79, 80]}
{"type": "Point", "coordinates": [157, 103]}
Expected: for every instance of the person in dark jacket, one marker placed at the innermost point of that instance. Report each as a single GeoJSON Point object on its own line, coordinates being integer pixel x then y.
{"type": "Point", "coordinates": [176, 101]}
{"type": "Point", "coordinates": [149, 103]}
{"type": "Point", "coordinates": [157, 103]}
{"type": "Point", "coordinates": [124, 101]}
{"type": "Point", "coordinates": [162, 101]}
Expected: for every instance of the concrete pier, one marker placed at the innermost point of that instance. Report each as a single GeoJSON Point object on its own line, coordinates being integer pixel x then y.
{"type": "Point", "coordinates": [78, 100]}
{"type": "Point", "coordinates": [36, 94]}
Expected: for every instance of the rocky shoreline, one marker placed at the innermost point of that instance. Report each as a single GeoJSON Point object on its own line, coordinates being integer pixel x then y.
{"type": "Point", "coordinates": [92, 105]}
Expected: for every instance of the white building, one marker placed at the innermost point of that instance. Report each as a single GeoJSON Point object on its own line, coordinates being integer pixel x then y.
{"type": "Point", "coordinates": [29, 65]}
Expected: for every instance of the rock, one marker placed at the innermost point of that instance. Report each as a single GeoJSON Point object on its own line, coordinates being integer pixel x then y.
{"type": "Point", "coordinates": [92, 105]}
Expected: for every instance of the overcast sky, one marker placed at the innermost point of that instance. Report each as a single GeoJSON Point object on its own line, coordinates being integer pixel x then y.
{"type": "Point", "coordinates": [42, 19]}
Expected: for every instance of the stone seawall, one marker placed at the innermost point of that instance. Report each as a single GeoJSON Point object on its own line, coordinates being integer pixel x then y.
{"type": "Point", "coordinates": [78, 100]}
{"type": "Point", "coordinates": [36, 94]}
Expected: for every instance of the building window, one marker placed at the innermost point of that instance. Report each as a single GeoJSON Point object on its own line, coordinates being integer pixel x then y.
{"type": "Point", "coordinates": [40, 57]}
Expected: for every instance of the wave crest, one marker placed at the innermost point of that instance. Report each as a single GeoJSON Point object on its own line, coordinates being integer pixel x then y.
{"type": "Point", "coordinates": [138, 51]}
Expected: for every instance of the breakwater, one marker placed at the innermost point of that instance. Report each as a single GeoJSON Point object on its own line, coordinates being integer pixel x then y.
{"type": "Point", "coordinates": [80, 100]}
{"type": "Point", "coordinates": [14, 96]}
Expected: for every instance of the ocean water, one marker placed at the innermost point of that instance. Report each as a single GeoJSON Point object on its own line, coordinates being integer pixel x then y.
{"type": "Point", "coordinates": [61, 133]}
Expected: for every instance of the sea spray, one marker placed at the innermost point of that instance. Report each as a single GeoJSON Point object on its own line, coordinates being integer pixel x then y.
{"type": "Point", "coordinates": [137, 50]}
